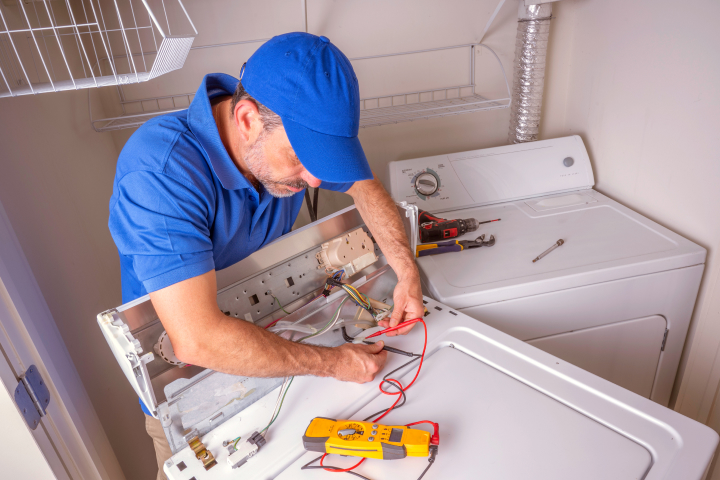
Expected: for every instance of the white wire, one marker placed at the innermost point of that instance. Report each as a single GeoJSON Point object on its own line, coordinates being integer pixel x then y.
{"type": "Point", "coordinates": [285, 326]}
{"type": "Point", "coordinates": [277, 402]}
{"type": "Point", "coordinates": [330, 324]}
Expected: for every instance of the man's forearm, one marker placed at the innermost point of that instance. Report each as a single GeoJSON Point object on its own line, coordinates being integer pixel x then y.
{"type": "Point", "coordinates": [239, 348]}
{"type": "Point", "coordinates": [202, 335]}
{"type": "Point", "coordinates": [382, 218]}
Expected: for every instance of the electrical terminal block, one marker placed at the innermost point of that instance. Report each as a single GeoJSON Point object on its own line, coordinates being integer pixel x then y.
{"type": "Point", "coordinates": [245, 451]}
{"type": "Point", "coordinates": [352, 252]}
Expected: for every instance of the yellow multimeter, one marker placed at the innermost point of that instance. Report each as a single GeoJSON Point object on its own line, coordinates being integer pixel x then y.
{"type": "Point", "coordinates": [365, 439]}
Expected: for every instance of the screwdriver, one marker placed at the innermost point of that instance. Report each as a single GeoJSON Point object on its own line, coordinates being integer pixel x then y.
{"type": "Point", "coordinates": [557, 244]}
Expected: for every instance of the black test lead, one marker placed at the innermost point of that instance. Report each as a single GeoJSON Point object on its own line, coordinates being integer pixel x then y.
{"type": "Point", "coordinates": [557, 244]}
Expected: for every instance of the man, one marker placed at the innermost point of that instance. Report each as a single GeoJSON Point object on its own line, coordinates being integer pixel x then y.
{"type": "Point", "coordinates": [199, 190]}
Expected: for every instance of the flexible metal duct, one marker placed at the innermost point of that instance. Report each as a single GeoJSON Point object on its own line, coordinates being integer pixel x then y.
{"type": "Point", "coordinates": [529, 76]}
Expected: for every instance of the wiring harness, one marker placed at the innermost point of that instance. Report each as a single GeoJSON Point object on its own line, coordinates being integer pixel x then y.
{"type": "Point", "coordinates": [335, 281]}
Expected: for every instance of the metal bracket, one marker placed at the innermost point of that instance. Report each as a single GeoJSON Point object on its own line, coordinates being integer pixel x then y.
{"type": "Point", "coordinates": [32, 396]}
{"type": "Point", "coordinates": [201, 452]}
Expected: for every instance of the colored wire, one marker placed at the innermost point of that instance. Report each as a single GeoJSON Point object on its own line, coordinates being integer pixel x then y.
{"type": "Point", "coordinates": [273, 323]}
{"type": "Point", "coordinates": [385, 379]}
{"type": "Point", "coordinates": [281, 307]}
{"type": "Point", "coordinates": [425, 471]}
{"type": "Point", "coordinates": [400, 394]}
{"type": "Point", "coordinates": [278, 406]}
{"type": "Point", "coordinates": [330, 324]}
{"type": "Point", "coordinates": [399, 385]}
{"type": "Point", "coordinates": [308, 467]}
{"type": "Point", "coordinates": [339, 470]}
{"type": "Point", "coordinates": [396, 327]}
{"type": "Point", "coordinates": [277, 413]}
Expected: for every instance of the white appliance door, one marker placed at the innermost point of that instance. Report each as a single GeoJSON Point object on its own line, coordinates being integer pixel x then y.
{"type": "Point", "coordinates": [625, 353]}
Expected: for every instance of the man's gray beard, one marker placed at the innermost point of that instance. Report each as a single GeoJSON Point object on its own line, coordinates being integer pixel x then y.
{"type": "Point", "coordinates": [255, 161]}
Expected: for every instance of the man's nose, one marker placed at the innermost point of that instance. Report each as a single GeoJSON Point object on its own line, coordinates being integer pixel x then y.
{"type": "Point", "coordinates": [310, 179]}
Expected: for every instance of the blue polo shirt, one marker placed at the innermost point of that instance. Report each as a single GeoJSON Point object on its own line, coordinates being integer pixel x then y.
{"type": "Point", "coordinates": [180, 207]}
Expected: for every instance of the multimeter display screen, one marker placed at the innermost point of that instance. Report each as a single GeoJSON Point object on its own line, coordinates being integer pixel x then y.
{"type": "Point", "coordinates": [396, 435]}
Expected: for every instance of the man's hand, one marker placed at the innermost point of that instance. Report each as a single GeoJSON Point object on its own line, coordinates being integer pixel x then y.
{"type": "Point", "coordinates": [407, 299]}
{"type": "Point", "coordinates": [381, 216]}
{"type": "Point", "coordinates": [359, 363]}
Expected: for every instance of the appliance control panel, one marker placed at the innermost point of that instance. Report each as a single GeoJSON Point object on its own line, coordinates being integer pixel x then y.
{"type": "Point", "coordinates": [492, 175]}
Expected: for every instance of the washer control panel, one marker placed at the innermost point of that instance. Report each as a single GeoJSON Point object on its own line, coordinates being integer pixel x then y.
{"type": "Point", "coordinates": [492, 175]}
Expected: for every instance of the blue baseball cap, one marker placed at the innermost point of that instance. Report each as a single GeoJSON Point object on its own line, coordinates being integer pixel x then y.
{"type": "Point", "coordinates": [311, 85]}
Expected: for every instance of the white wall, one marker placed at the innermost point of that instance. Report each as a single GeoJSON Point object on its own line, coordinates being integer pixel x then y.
{"type": "Point", "coordinates": [639, 81]}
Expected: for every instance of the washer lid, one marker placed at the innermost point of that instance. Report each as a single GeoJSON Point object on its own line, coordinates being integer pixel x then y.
{"type": "Point", "coordinates": [498, 428]}
{"type": "Point", "coordinates": [506, 410]}
{"type": "Point", "coordinates": [603, 241]}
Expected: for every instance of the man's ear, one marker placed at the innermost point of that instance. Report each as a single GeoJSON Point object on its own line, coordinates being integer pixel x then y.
{"type": "Point", "coordinates": [247, 120]}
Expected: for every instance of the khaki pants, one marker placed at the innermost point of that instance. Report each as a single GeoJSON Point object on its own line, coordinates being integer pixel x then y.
{"type": "Point", "coordinates": [162, 448]}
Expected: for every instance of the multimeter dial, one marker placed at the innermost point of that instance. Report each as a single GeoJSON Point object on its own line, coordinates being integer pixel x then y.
{"type": "Point", "coordinates": [426, 184]}
{"type": "Point", "coordinates": [352, 431]}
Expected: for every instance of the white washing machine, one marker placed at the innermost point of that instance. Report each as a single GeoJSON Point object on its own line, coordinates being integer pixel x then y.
{"type": "Point", "coordinates": [615, 299]}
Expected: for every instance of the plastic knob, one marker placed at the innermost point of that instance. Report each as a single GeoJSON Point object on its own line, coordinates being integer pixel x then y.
{"type": "Point", "coordinates": [426, 184]}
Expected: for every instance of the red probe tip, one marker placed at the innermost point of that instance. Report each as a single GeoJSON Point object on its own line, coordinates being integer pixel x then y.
{"type": "Point", "coordinates": [396, 327]}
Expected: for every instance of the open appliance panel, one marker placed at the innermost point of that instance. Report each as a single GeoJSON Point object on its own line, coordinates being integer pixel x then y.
{"type": "Point", "coordinates": [283, 275]}
{"type": "Point", "coordinates": [210, 398]}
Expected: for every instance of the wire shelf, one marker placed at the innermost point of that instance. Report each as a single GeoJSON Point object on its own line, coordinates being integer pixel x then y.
{"type": "Point", "coordinates": [137, 112]}
{"type": "Point", "coordinates": [130, 120]}
{"type": "Point", "coordinates": [421, 105]}
{"type": "Point", "coordinates": [374, 111]}
{"type": "Point", "coordinates": [54, 45]}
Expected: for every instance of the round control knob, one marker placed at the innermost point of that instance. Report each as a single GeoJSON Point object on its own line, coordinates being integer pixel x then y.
{"type": "Point", "coordinates": [426, 184]}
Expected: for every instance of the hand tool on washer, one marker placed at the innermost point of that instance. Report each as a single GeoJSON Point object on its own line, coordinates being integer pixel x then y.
{"type": "Point", "coordinates": [453, 246]}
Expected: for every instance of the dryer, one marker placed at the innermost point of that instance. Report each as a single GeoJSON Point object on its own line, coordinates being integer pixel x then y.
{"type": "Point", "coordinates": [615, 299]}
